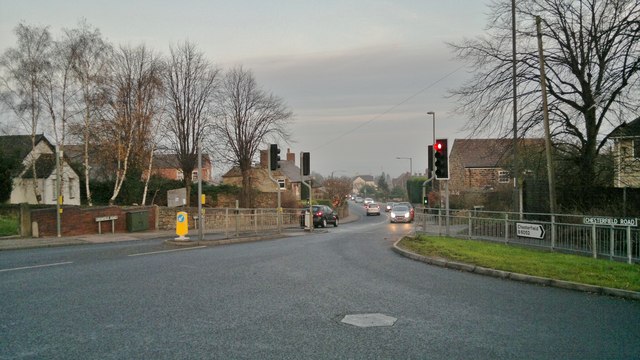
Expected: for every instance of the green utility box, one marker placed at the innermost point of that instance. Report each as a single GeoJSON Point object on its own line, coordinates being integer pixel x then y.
{"type": "Point", "coordinates": [137, 221]}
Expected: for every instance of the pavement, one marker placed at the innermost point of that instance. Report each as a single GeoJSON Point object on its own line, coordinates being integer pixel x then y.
{"type": "Point", "coordinates": [170, 237]}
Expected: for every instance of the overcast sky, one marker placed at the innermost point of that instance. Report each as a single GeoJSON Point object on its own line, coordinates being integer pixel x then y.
{"type": "Point", "coordinates": [359, 76]}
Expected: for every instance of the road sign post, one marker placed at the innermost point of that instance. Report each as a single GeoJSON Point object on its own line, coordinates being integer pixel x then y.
{"type": "Point", "coordinates": [182, 226]}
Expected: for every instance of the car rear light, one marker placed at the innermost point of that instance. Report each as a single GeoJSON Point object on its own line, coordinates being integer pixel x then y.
{"type": "Point", "coordinates": [319, 213]}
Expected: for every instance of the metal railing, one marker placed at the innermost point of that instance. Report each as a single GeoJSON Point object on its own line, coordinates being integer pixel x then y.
{"type": "Point", "coordinates": [565, 233]}
{"type": "Point", "coordinates": [234, 222]}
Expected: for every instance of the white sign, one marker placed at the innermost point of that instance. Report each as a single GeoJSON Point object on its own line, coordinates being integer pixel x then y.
{"type": "Point", "coordinates": [106, 218]}
{"type": "Point", "coordinates": [610, 221]}
{"type": "Point", "coordinates": [535, 231]}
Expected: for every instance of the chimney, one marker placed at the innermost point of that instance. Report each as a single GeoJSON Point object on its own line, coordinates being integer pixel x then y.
{"type": "Point", "coordinates": [264, 159]}
{"type": "Point", "coordinates": [291, 156]}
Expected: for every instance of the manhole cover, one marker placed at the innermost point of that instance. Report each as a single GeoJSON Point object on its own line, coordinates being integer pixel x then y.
{"type": "Point", "coordinates": [369, 320]}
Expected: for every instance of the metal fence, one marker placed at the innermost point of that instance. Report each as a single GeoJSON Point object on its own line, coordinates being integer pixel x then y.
{"type": "Point", "coordinates": [234, 222]}
{"type": "Point", "coordinates": [614, 240]}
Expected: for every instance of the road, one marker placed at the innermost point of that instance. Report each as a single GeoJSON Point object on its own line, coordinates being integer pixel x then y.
{"type": "Point", "coordinates": [285, 299]}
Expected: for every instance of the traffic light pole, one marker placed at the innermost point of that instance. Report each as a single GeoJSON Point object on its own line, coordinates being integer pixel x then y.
{"type": "Point", "coordinates": [305, 158]}
{"type": "Point", "coordinates": [279, 209]}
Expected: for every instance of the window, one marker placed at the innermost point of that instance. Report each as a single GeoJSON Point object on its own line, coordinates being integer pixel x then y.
{"type": "Point", "coordinates": [194, 175]}
{"type": "Point", "coordinates": [503, 176]}
{"type": "Point", "coordinates": [179, 175]}
{"type": "Point", "coordinates": [72, 193]}
{"type": "Point", "coordinates": [281, 182]}
{"type": "Point", "coordinates": [636, 148]}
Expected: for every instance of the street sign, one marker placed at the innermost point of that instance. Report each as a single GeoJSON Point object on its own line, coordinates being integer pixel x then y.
{"type": "Point", "coordinates": [599, 220]}
{"type": "Point", "coordinates": [535, 231]}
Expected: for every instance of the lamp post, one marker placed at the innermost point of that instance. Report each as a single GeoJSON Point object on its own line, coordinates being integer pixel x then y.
{"type": "Point", "coordinates": [433, 133]}
{"type": "Point", "coordinates": [410, 164]}
{"type": "Point", "coordinates": [410, 173]}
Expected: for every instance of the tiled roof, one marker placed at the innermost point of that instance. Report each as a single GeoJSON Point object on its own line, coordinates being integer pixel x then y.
{"type": "Point", "coordinates": [487, 153]}
{"type": "Point", "coordinates": [631, 129]}
{"type": "Point", "coordinates": [18, 145]}
{"type": "Point", "coordinates": [45, 166]}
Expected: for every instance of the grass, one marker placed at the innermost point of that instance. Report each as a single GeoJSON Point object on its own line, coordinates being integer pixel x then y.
{"type": "Point", "coordinates": [521, 260]}
{"type": "Point", "coordinates": [9, 226]}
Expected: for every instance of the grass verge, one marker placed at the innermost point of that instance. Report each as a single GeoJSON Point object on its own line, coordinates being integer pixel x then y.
{"type": "Point", "coordinates": [521, 260]}
{"type": "Point", "coordinates": [9, 226]}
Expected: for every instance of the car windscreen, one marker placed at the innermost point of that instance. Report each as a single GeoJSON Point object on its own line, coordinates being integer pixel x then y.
{"type": "Point", "coordinates": [400, 208]}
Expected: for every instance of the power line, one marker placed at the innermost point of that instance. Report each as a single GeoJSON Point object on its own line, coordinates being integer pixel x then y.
{"type": "Point", "coordinates": [340, 136]}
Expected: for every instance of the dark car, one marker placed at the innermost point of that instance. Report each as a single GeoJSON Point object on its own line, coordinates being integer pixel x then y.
{"type": "Point", "coordinates": [322, 215]}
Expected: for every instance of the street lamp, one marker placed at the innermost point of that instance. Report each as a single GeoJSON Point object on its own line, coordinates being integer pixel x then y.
{"type": "Point", "coordinates": [433, 160]}
{"type": "Point", "coordinates": [410, 164]}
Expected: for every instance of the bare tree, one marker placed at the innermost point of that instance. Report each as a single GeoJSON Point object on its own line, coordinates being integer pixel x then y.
{"type": "Point", "coordinates": [23, 69]}
{"type": "Point", "coordinates": [90, 65]}
{"type": "Point", "coordinates": [337, 188]}
{"type": "Point", "coordinates": [592, 57]}
{"type": "Point", "coordinates": [136, 84]}
{"type": "Point", "coordinates": [191, 82]}
{"type": "Point", "coordinates": [248, 118]}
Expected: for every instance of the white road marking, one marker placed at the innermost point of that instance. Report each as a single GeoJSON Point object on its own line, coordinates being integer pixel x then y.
{"type": "Point", "coordinates": [36, 266]}
{"type": "Point", "coordinates": [167, 251]}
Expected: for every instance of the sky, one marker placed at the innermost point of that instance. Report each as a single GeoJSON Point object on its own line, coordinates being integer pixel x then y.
{"type": "Point", "coordinates": [358, 75]}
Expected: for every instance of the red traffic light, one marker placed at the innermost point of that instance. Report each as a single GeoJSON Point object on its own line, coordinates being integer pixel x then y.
{"type": "Point", "coordinates": [439, 146]}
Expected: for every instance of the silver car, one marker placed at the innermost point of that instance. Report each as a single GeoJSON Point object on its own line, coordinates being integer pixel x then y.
{"type": "Point", "coordinates": [400, 213]}
{"type": "Point", "coordinates": [373, 209]}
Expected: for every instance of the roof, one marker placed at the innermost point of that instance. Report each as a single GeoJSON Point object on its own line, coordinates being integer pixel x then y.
{"type": "Point", "coordinates": [170, 161]}
{"type": "Point", "coordinates": [19, 145]}
{"type": "Point", "coordinates": [287, 168]}
{"type": "Point", "coordinates": [45, 166]}
{"type": "Point", "coordinates": [487, 153]}
{"type": "Point", "coordinates": [366, 178]}
{"type": "Point", "coordinates": [631, 129]}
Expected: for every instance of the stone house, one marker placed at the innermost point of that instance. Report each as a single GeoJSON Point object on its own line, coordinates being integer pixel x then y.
{"type": "Point", "coordinates": [20, 147]}
{"type": "Point", "coordinates": [626, 150]}
{"type": "Point", "coordinates": [361, 180]}
{"type": "Point", "coordinates": [479, 166]}
{"type": "Point", "coordinates": [287, 175]}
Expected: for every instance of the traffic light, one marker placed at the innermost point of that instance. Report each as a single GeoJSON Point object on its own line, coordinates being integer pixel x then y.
{"type": "Point", "coordinates": [425, 201]}
{"type": "Point", "coordinates": [274, 156]}
{"type": "Point", "coordinates": [442, 159]}
{"type": "Point", "coordinates": [306, 167]}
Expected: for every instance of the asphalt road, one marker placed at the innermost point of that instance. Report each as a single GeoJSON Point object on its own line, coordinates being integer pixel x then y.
{"type": "Point", "coordinates": [285, 299]}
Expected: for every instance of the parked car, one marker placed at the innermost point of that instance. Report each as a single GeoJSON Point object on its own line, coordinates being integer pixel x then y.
{"type": "Point", "coordinates": [368, 201]}
{"type": "Point", "coordinates": [389, 206]}
{"type": "Point", "coordinates": [400, 213]}
{"type": "Point", "coordinates": [373, 209]}
{"type": "Point", "coordinates": [322, 215]}
{"type": "Point", "coordinates": [411, 209]}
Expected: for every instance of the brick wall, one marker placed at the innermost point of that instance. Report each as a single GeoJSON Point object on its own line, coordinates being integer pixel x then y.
{"type": "Point", "coordinates": [82, 221]}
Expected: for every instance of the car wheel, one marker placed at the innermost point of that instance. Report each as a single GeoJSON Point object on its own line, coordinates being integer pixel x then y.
{"type": "Point", "coordinates": [324, 223]}
{"type": "Point", "coordinates": [335, 223]}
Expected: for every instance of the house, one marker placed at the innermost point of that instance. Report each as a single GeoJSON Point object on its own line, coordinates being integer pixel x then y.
{"type": "Point", "coordinates": [361, 180]}
{"type": "Point", "coordinates": [167, 166]}
{"type": "Point", "coordinates": [287, 176]}
{"type": "Point", "coordinates": [43, 154]}
{"type": "Point", "coordinates": [482, 165]}
{"type": "Point", "coordinates": [626, 149]}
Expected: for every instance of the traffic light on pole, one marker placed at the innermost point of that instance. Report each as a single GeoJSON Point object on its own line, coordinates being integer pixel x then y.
{"type": "Point", "coordinates": [441, 154]}
{"type": "Point", "coordinates": [306, 166]}
{"type": "Point", "coordinates": [274, 156]}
